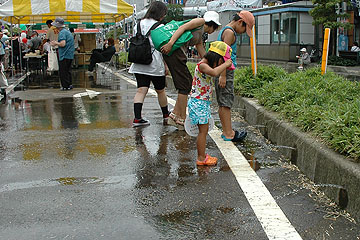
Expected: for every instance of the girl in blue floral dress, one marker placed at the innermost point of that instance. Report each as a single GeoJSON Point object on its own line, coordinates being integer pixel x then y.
{"type": "Point", "coordinates": [213, 64]}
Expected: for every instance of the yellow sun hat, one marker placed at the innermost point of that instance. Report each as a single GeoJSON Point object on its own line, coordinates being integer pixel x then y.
{"type": "Point", "coordinates": [223, 50]}
{"type": "Point", "coordinates": [220, 48]}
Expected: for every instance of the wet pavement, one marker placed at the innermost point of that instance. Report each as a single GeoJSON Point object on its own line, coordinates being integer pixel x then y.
{"type": "Point", "coordinates": [74, 168]}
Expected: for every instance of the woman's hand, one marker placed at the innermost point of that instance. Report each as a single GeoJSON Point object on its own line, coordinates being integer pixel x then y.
{"type": "Point", "coordinates": [165, 49]}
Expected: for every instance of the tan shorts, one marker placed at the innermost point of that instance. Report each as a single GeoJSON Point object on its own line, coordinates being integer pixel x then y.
{"type": "Point", "coordinates": [179, 71]}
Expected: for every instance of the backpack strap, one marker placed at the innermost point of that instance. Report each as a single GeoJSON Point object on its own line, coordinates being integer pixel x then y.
{"type": "Point", "coordinates": [152, 28]}
{"type": "Point", "coordinates": [138, 31]}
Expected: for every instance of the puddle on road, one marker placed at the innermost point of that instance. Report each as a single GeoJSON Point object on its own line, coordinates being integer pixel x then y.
{"type": "Point", "coordinates": [66, 118]}
{"type": "Point", "coordinates": [70, 116]}
{"type": "Point", "coordinates": [124, 182]}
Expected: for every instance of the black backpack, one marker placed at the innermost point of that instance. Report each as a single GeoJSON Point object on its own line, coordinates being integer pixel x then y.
{"type": "Point", "coordinates": [140, 48]}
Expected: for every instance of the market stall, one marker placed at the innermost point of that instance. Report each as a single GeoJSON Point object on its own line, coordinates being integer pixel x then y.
{"type": "Point", "coordinates": [73, 11]}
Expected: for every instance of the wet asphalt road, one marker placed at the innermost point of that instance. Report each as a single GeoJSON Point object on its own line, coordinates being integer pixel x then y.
{"type": "Point", "coordinates": [74, 168]}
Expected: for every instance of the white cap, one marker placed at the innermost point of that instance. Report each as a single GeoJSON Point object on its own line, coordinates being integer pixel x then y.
{"type": "Point", "coordinates": [212, 16]}
{"type": "Point", "coordinates": [5, 31]}
{"type": "Point", "coordinates": [303, 50]}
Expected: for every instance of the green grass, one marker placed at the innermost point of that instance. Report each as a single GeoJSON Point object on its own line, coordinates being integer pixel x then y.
{"type": "Point", "coordinates": [122, 57]}
{"type": "Point", "coordinates": [327, 106]}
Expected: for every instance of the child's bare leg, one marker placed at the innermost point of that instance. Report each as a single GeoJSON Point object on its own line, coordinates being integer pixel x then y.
{"type": "Point", "coordinates": [201, 141]}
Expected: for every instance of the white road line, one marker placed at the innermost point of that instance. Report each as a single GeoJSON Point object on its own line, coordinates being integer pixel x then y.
{"type": "Point", "coordinates": [272, 218]}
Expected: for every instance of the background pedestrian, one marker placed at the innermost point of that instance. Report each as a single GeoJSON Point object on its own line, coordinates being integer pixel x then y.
{"type": "Point", "coordinates": [104, 55]}
{"type": "Point", "coordinates": [65, 43]}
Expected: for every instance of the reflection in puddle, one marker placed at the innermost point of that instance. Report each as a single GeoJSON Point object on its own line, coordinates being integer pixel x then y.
{"type": "Point", "coordinates": [32, 151]}
{"type": "Point", "coordinates": [73, 180]}
{"type": "Point", "coordinates": [61, 124]}
{"type": "Point", "coordinates": [124, 182]}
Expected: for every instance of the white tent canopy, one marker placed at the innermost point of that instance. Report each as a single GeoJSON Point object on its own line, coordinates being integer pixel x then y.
{"type": "Point", "coordinates": [38, 11]}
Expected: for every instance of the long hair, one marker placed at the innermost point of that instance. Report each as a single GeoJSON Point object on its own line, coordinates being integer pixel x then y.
{"type": "Point", "coordinates": [111, 41]}
{"type": "Point", "coordinates": [212, 58]}
{"type": "Point", "coordinates": [156, 11]}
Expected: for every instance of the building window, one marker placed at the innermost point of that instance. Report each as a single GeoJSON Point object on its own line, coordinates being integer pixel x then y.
{"type": "Point", "coordinates": [289, 28]}
{"type": "Point", "coordinates": [256, 29]}
{"type": "Point", "coordinates": [245, 40]}
{"type": "Point", "coordinates": [275, 28]}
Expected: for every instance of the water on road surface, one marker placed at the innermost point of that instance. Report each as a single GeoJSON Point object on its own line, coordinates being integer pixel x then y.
{"type": "Point", "coordinates": [74, 168]}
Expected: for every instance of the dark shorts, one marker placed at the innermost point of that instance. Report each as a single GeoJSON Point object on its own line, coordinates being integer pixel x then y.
{"type": "Point", "coordinates": [180, 73]}
{"type": "Point", "coordinates": [225, 96]}
{"type": "Point", "coordinates": [144, 81]}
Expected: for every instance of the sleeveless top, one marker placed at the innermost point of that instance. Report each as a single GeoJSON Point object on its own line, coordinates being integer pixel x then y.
{"type": "Point", "coordinates": [233, 46]}
{"type": "Point", "coordinates": [202, 85]}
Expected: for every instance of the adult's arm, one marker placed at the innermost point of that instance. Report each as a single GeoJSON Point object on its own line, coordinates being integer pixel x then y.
{"type": "Point", "coordinates": [197, 22]}
{"type": "Point", "coordinates": [62, 43]}
{"type": "Point", "coordinates": [201, 49]}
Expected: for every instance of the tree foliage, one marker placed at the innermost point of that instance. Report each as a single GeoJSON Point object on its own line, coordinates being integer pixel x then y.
{"type": "Point", "coordinates": [111, 33]}
{"type": "Point", "coordinates": [175, 12]}
{"type": "Point", "coordinates": [325, 13]}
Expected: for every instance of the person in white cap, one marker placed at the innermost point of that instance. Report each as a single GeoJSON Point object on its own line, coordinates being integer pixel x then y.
{"type": "Point", "coordinates": [303, 59]}
{"type": "Point", "coordinates": [176, 63]}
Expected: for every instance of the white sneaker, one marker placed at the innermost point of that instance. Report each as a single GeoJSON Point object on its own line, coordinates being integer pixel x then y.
{"type": "Point", "coordinates": [300, 68]}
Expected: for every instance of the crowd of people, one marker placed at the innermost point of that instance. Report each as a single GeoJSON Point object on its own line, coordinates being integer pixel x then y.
{"type": "Point", "coordinates": [65, 42]}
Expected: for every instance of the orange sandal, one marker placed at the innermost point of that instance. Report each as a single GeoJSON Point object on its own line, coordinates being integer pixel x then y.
{"type": "Point", "coordinates": [209, 161]}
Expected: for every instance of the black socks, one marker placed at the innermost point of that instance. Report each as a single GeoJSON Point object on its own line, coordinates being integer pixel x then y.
{"type": "Point", "coordinates": [137, 110]}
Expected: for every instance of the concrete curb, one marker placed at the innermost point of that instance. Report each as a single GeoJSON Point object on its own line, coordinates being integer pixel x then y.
{"type": "Point", "coordinates": [337, 175]}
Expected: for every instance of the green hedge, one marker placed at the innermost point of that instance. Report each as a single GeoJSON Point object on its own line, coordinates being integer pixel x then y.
{"type": "Point", "coordinates": [122, 57]}
{"type": "Point", "coordinates": [326, 106]}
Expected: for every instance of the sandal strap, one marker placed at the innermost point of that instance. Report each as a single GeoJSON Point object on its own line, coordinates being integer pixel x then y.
{"type": "Point", "coordinates": [177, 119]}
{"type": "Point", "coordinates": [180, 121]}
{"type": "Point", "coordinates": [173, 116]}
